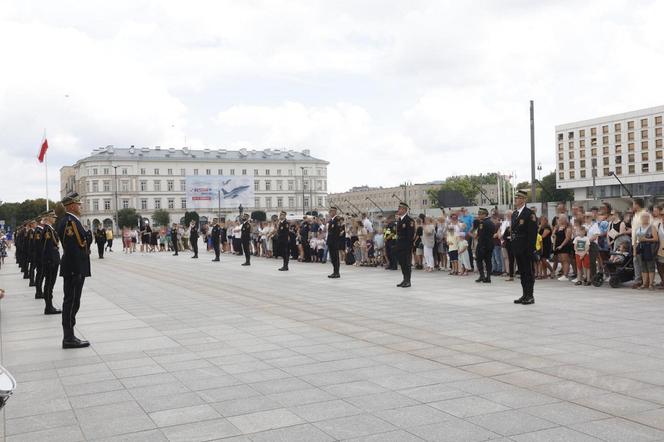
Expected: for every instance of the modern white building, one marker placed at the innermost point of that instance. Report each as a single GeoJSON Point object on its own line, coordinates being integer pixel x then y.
{"type": "Point", "coordinates": [625, 147]}
{"type": "Point", "coordinates": [148, 179]}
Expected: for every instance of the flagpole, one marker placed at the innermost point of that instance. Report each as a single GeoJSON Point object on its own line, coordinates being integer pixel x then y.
{"type": "Point", "coordinates": [46, 171]}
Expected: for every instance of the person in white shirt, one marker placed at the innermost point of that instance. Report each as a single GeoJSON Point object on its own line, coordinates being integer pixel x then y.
{"type": "Point", "coordinates": [367, 224]}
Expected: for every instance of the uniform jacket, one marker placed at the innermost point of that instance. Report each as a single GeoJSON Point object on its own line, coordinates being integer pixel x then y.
{"type": "Point", "coordinates": [51, 247]}
{"type": "Point", "coordinates": [282, 231]}
{"type": "Point", "coordinates": [405, 232]}
{"type": "Point", "coordinates": [485, 232]}
{"type": "Point", "coordinates": [245, 234]}
{"type": "Point", "coordinates": [333, 232]}
{"type": "Point", "coordinates": [193, 233]}
{"type": "Point", "coordinates": [524, 231]}
{"type": "Point", "coordinates": [75, 247]}
{"type": "Point", "coordinates": [37, 245]}
{"type": "Point", "coordinates": [216, 231]}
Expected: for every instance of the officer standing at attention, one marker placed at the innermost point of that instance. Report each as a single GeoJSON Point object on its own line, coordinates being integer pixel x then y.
{"type": "Point", "coordinates": [37, 257]}
{"type": "Point", "coordinates": [404, 245]}
{"type": "Point", "coordinates": [524, 235]}
{"type": "Point", "coordinates": [282, 240]}
{"type": "Point", "coordinates": [174, 238]}
{"type": "Point", "coordinates": [74, 268]}
{"type": "Point", "coordinates": [100, 240]}
{"type": "Point", "coordinates": [215, 233]}
{"type": "Point", "coordinates": [484, 251]}
{"type": "Point", "coordinates": [193, 237]}
{"type": "Point", "coordinates": [245, 238]}
{"type": "Point", "coordinates": [30, 247]}
{"type": "Point", "coordinates": [333, 233]}
{"type": "Point", "coordinates": [51, 256]}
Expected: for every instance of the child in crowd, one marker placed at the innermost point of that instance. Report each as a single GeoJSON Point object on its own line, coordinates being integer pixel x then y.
{"type": "Point", "coordinates": [313, 245]}
{"type": "Point", "coordinates": [378, 246]}
{"type": "Point", "coordinates": [320, 246]}
{"type": "Point", "coordinates": [464, 256]}
{"type": "Point", "coordinates": [581, 246]}
{"type": "Point", "coordinates": [453, 248]}
{"type": "Point", "coordinates": [621, 254]}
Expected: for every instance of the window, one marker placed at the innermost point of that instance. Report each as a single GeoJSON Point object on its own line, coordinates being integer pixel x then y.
{"type": "Point", "coordinates": [125, 204]}
{"type": "Point", "coordinates": [561, 166]}
{"type": "Point", "coordinates": [582, 133]}
{"type": "Point", "coordinates": [268, 185]}
{"type": "Point", "coordinates": [571, 155]}
{"type": "Point", "coordinates": [183, 185]}
{"type": "Point", "coordinates": [618, 170]}
{"type": "Point", "coordinates": [279, 172]}
{"type": "Point", "coordinates": [255, 172]}
{"type": "Point", "coordinates": [561, 175]}
{"type": "Point", "coordinates": [630, 147]}
{"type": "Point", "coordinates": [582, 144]}
{"type": "Point", "coordinates": [631, 170]}
{"type": "Point", "coordinates": [571, 175]}
{"type": "Point", "coordinates": [95, 205]}
{"type": "Point", "coordinates": [124, 171]}
{"type": "Point", "coordinates": [157, 203]}
{"type": "Point", "coordinates": [305, 172]}
{"type": "Point", "coordinates": [644, 134]}
{"type": "Point", "coordinates": [170, 185]}
{"type": "Point", "coordinates": [280, 201]}
{"type": "Point", "coordinates": [582, 154]}
{"type": "Point", "coordinates": [630, 158]}
{"type": "Point", "coordinates": [267, 171]}
{"type": "Point", "coordinates": [220, 171]}
{"type": "Point", "coordinates": [571, 165]}
{"type": "Point", "coordinates": [605, 150]}
{"type": "Point", "coordinates": [107, 186]}
{"type": "Point", "coordinates": [208, 172]}
{"type": "Point", "coordinates": [319, 183]}
{"type": "Point", "coordinates": [658, 120]}
{"type": "Point", "coordinates": [582, 174]}
{"type": "Point", "coordinates": [593, 131]}
{"type": "Point", "coordinates": [618, 148]}
{"type": "Point", "coordinates": [94, 171]}
{"type": "Point", "coordinates": [291, 202]}
{"type": "Point", "coordinates": [605, 139]}
{"type": "Point", "coordinates": [244, 171]}
{"type": "Point", "coordinates": [195, 171]}
{"type": "Point", "coordinates": [616, 127]}
{"type": "Point", "coordinates": [658, 155]}
{"type": "Point", "coordinates": [290, 184]}
{"type": "Point", "coordinates": [183, 203]}
{"type": "Point", "coordinates": [257, 202]}
{"type": "Point", "coordinates": [644, 145]}
{"type": "Point", "coordinates": [157, 186]}
{"type": "Point", "coordinates": [658, 132]}
{"type": "Point", "coordinates": [605, 129]}
{"type": "Point", "coordinates": [268, 202]}
{"type": "Point", "coordinates": [618, 159]}
{"type": "Point", "coordinates": [124, 185]}
{"type": "Point", "coordinates": [606, 171]}
{"type": "Point", "coordinates": [156, 171]}
{"type": "Point", "coordinates": [617, 138]}
{"type": "Point", "coordinates": [232, 171]}
{"type": "Point", "coordinates": [570, 135]}
{"type": "Point", "coordinates": [142, 171]}
{"type": "Point", "coordinates": [169, 172]}
{"type": "Point", "coordinates": [183, 172]}
{"type": "Point", "coordinates": [257, 185]}
{"type": "Point", "coordinates": [144, 204]}
{"type": "Point", "coordinates": [280, 186]}
{"type": "Point", "coordinates": [305, 184]}
{"type": "Point", "coordinates": [560, 137]}
{"type": "Point", "coordinates": [605, 161]}
{"type": "Point", "coordinates": [306, 202]}
{"type": "Point", "coordinates": [87, 186]}
{"type": "Point", "coordinates": [105, 170]}
{"type": "Point", "coordinates": [630, 136]}
{"type": "Point", "coordinates": [644, 167]}
{"type": "Point", "coordinates": [560, 147]}
{"type": "Point", "coordinates": [107, 204]}
{"type": "Point", "coordinates": [171, 203]}
{"type": "Point", "coordinates": [644, 156]}
{"type": "Point", "coordinates": [644, 122]}
{"type": "Point", "coordinates": [95, 186]}
{"type": "Point", "coordinates": [658, 166]}
{"type": "Point", "coordinates": [320, 202]}
{"type": "Point", "coordinates": [630, 125]}
{"type": "Point", "coordinates": [593, 152]}
{"type": "Point", "coordinates": [560, 156]}
{"type": "Point", "coordinates": [143, 186]}
{"type": "Point", "coordinates": [593, 141]}
{"type": "Point", "coordinates": [582, 164]}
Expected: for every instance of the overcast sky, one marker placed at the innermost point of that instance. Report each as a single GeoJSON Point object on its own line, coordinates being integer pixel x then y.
{"type": "Point", "coordinates": [387, 91]}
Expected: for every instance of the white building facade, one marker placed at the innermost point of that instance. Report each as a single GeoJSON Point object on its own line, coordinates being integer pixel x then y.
{"type": "Point", "coordinates": [148, 179]}
{"type": "Point", "coordinates": [626, 147]}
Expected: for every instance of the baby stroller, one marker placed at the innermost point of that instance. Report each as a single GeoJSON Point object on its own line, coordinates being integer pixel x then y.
{"type": "Point", "coordinates": [621, 269]}
{"type": "Point", "coordinates": [7, 386]}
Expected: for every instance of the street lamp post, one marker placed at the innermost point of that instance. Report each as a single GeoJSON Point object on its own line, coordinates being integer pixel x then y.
{"type": "Point", "coordinates": [303, 209]}
{"type": "Point", "coordinates": [115, 172]}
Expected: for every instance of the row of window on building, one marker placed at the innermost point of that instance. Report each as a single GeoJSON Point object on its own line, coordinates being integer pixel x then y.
{"type": "Point", "coordinates": [617, 128]}
{"type": "Point", "coordinates": [183, 172]}
{"type": "Point", "coordinates": [266, 203]}
{"type": "Point", "coordinates": [124, 186]}
{"type": "Point", "coordinates": [606, 171]}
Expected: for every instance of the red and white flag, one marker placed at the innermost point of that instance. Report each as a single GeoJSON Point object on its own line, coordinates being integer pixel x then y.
{"type": "Point", "coordinates": [42, 151]}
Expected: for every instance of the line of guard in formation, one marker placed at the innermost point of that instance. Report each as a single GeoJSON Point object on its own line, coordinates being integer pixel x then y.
{"type": "Point", "coordinates": [38, 244]}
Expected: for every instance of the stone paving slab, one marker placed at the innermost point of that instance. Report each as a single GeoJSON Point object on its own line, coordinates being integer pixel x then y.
{"type": "Point", "coordinates": [190, 350]}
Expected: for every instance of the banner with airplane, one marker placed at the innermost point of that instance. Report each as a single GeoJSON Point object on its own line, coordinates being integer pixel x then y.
{"type": "Point", "coordinates": [214, 191]}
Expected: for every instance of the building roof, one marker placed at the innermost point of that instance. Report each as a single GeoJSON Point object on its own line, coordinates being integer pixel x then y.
{"type": "Point", "coordinates": [185, 154]}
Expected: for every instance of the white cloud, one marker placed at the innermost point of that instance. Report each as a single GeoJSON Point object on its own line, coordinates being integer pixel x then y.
{"type": "Point", "coordinates": [386, 91]}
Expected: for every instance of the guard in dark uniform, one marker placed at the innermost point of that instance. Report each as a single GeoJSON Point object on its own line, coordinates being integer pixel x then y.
{"type": "Point", "coordinates": [245, 239]}
{"type": "Point", "coordinates": [74, 268]}
{"type": "Point", "coordinates": [174, 238]}
{"type": "Point", "coordinates": [215, 233]}
{"type": "Point", "coordinates": [333, 233]}
{"type": "Point", "coordinates": [282, 240]}
{"type": "Point", "coordinates": [485, 231]}
{"type": "Point", "coordinates": [29, 252]}
{"type": "Point", "coordinates": [193, 238]}
{"type": "Point", "coordinates": [404, 244]}
{"type": "Point", "coordinates": [100, 240]}
{"type": "Point", "coordinates": [524, 236]}
{"type": "Point", "coordinates": [37, 258]}
{"type": "Point", "coordinates": [51, 261]}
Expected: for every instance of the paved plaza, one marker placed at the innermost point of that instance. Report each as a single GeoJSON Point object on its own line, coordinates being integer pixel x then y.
{"type": "Point", "coordinates": [190, 350]}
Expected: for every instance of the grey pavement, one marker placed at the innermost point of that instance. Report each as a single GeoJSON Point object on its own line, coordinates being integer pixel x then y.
{"type": "Point", "coordinates": [190, 350]}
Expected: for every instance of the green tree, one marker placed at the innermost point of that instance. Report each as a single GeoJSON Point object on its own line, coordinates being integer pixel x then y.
{"type": "Point", "coordinates": [161, 217]}
{"type": "Point", "coordinates": [127, 218]}
{"type": "Point", "coordinates": [15, 213]}
{"type": "Point", "coordinates": [191, 216]}
{"type": "Point", "coordinates": [551, 192]}
{"type": "Point", "coordinates": [259, 215]}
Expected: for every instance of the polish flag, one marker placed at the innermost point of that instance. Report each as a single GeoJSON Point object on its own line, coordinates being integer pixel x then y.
{"type": "Point", "coordinates": [42, 151]}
